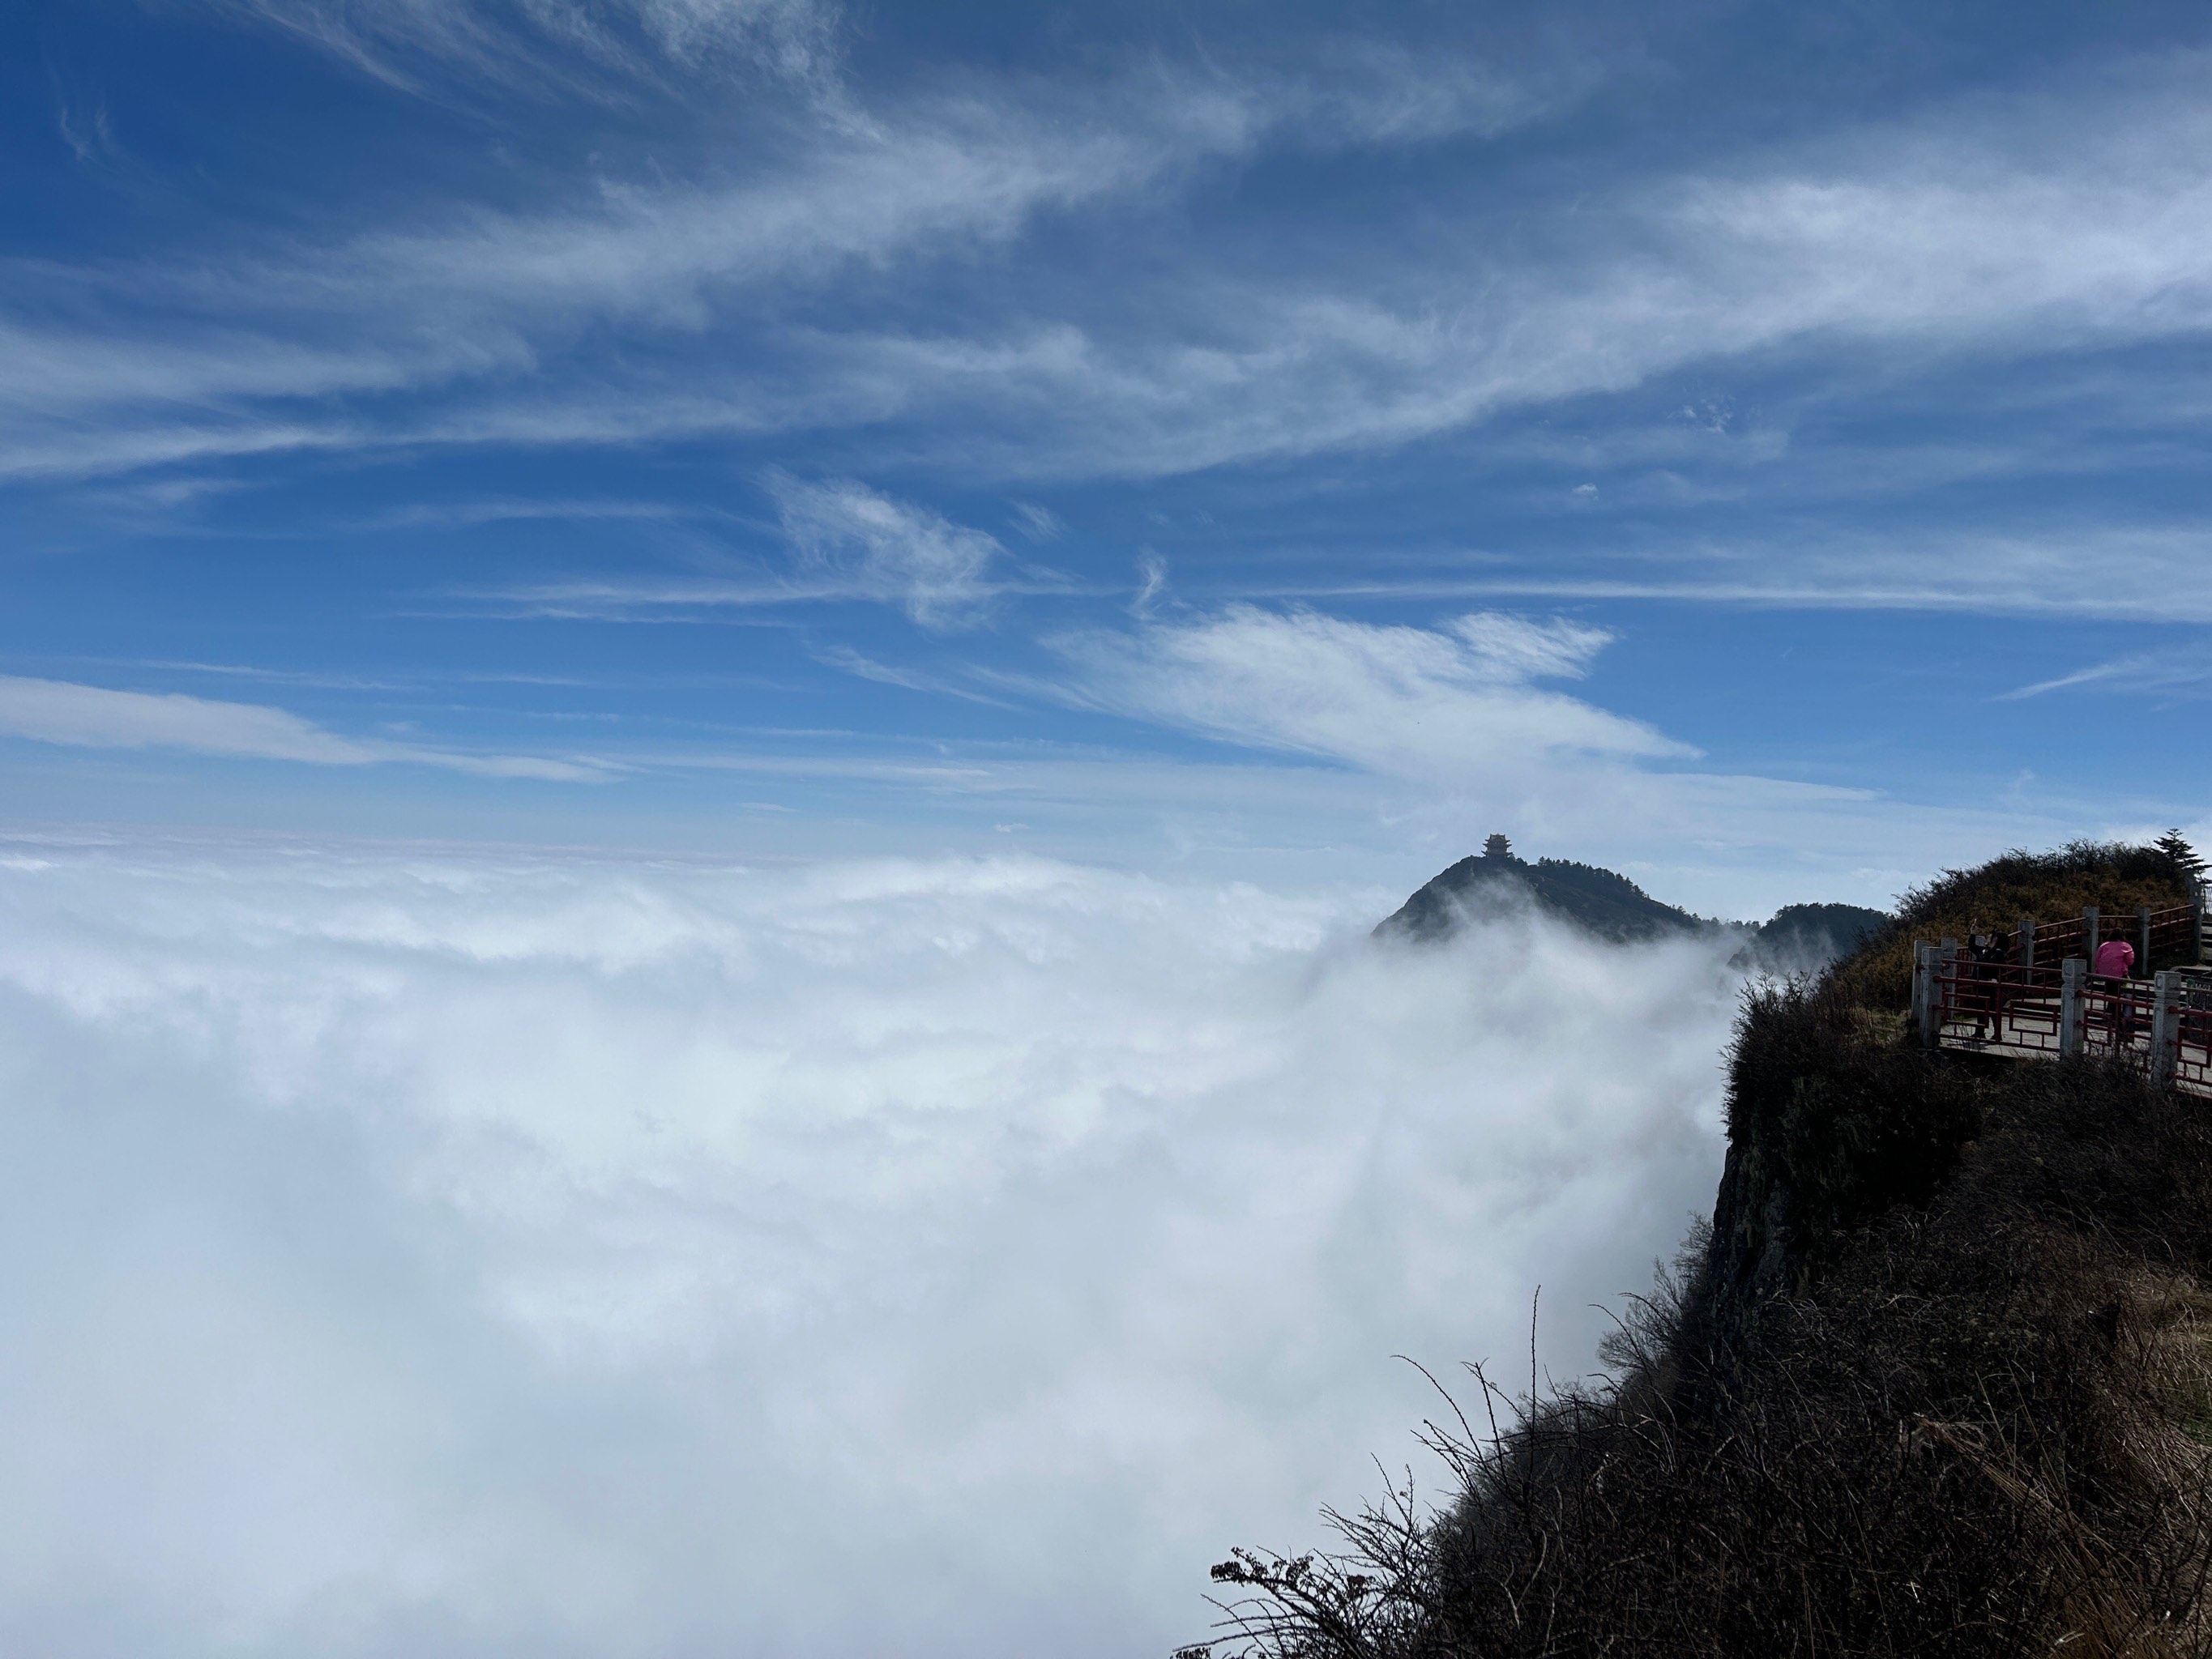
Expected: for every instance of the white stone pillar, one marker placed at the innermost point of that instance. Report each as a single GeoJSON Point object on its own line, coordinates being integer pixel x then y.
{"type": "Point", "coordinates": [2073, 1005]}
{"type": "Point", "coordinates": [2165, 1026]}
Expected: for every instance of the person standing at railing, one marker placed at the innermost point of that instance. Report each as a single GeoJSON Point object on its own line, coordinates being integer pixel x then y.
{"type": "Point", "coordinates": [2115, 960]}
{"type": "Point", "coordinates": [1988, 952]}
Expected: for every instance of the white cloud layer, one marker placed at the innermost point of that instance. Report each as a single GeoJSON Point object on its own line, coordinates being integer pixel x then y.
{"type": "Point", "coordinates": [97, 717]}
{"type": "Point", "coordinates": [463, 1258]}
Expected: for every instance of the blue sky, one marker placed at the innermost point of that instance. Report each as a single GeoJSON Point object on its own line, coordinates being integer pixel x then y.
{"type": "Point", "coordinates": [1757, 447]}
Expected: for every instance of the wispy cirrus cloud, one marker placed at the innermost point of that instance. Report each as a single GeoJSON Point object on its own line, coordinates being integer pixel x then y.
{"type": "Point", "coordinates": [553, 46]}
{"type": "Point", "coordinates": [1453, 702]}
{"type": "Point", "coordinates": [748, 303]}
{"type": "Point", "coordinates": [1039, 524]}
{"type": "Point", "coordinates": [2137, 574]}
{"type": "Point", "coordinates": [2183, 670]}
{"type": "Point", "coordinates": [846, 542]}
{"type": "Point", "coordinates": [479, 312]}
{"type": "Point", "coordinates": [1950, 245]}
{"type": "Point", "coordinates": [847, 660]}
{"type": "Point", "coordinates": [1970, 232]}
{"type": "Point", "coordinates": [74, 715]}
{"type": "Point", "coordinates": [866, 543]}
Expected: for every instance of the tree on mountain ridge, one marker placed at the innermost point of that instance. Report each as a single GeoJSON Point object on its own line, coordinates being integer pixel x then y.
{"type": "Point", "coordinates": [2172, 844]}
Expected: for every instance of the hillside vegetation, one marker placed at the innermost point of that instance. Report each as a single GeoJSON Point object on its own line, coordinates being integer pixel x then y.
{"type": "Point", "coordinates": [1937, 1380]}
{"type": "Point", "coordinates": [2054, 886]}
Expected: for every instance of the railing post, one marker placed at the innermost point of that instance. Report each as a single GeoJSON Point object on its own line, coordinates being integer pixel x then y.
{"type": "Point", "coordinates": [2027, 941]}
{"type": "Point", "coordinates": [2072, 1006]}
{"type": "Point", "coordinates": [1924, 989]}
{"type": "Point", "coordinates": [2142, 944]}
{"type": "Point", "coordinates": [2197, 925]}
{"type": "Point", "coordinates": [2090, 920]}
{"type": "Point", "coordinates": [2165, 1026]}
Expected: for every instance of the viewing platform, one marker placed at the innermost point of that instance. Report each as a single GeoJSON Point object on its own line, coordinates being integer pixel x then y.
{"type": "Point", "coordinates": [2045, 1004]}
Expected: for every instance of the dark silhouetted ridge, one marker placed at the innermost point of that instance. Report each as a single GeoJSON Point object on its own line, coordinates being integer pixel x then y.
{"type": "Point", "coordinates": [1608, 904]}
{"type": "Point", "coordinates": [1800, 937]}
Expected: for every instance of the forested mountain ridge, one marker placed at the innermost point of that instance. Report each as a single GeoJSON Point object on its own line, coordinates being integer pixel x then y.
{"type": "Point", "coordinates": [1611, 906]}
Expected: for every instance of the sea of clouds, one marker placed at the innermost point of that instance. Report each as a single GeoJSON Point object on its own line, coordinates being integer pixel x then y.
{"type": "Point", "coordinates": [466, 1256]}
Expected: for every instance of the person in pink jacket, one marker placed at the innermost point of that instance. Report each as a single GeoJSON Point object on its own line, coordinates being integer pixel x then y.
{"type": "Point", "coordinates": [2114, 961]}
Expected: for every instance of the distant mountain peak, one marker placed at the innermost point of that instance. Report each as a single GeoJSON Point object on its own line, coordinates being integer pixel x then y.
{"type": "Point", "coordinates": [1608, 904]}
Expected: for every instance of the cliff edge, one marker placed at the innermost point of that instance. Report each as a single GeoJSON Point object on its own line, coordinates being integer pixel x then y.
{"type": "Point", "coordinates": [1937, 1380]}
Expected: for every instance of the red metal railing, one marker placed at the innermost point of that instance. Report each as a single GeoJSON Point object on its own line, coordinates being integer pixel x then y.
{"type": "Point", "coordinates": [1999, 1006]}
{"type": "Point", "coordinates": [2173, 934]}
{"type": "Point", "coordinates": [2003, 1008]}
{"type": "Point", "coordinates": [2192, 1059]}
{"type": "Point", "coordinates": [2116, 1016]}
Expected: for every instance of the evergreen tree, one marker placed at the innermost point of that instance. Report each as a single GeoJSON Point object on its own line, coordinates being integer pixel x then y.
{"type": "Point", "coordinates": [2181, 853]}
